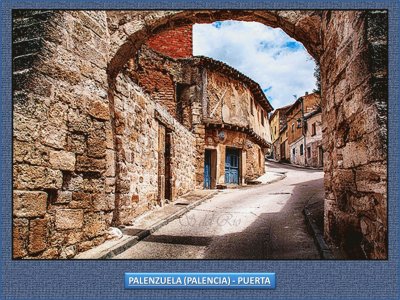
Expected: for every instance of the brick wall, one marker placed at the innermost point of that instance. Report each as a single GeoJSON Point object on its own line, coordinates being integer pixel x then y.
{"type": "Point", "coordinates": [175, 42]}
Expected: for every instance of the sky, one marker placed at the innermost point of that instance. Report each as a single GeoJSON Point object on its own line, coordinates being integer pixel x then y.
{"type": "Point", "coordinates": [278, 63]}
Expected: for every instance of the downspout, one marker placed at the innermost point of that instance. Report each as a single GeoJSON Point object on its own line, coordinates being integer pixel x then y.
{"type": "Point", "coordinates": [303, 132]}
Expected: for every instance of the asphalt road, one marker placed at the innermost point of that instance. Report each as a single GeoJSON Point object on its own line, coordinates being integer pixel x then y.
{"type": "Point", "coordinates": [257, 222]}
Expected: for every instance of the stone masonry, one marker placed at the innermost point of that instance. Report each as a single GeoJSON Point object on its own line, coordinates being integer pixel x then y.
{"type": "Point", "coordinates": [82, 126]}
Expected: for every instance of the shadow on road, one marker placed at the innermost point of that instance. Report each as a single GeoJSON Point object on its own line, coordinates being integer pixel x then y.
{"type": "Point", "coordinates": [279, 235]}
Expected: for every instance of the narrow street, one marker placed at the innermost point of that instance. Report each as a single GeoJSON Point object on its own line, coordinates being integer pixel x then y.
{"type": "Point", "coordinates": [254, 222]}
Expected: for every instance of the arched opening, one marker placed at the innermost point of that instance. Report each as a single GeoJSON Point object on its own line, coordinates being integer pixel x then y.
{"type": "Point", "coordinates": [84, 130]}
{"type": "Point", "coordinates": [353, 107]}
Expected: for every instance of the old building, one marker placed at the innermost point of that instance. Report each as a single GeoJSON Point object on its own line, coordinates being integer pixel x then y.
{"type": "Point", "coordinates": [284, 144]}
{"type": "Point", "coordinates": [313, 138]}
{"type": "Point", "coordinates": [80, 164]}
{"type": "Point", "coordinates": [297, 129]}
{"type": "Point", "coordinates": [227, 110]}
{"type": "Point", "coordinates": [278, 122]}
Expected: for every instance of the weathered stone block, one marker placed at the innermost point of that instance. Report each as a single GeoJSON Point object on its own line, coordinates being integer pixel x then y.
{"type": "Point", "coordinates": [81, 200]}
{"type": "Point", "coordinates": [30, 153]}
{"type": "Point", "coordinates": [27, 177]}
{"type": "Point", "coordinates": [29, 204]}
{"type": "Point", "coordinates": [94, 225]}
{"type": "Point", "coordinates": [349, 157]}
{"type": "Point", "coordinates": [73, 237]}
{"type": "Point", "coordinates": [63, 197]}
{"type": "Point", "coordinates": [372, 178]}
{"type": "Point", "coordinates": [76, 143]}
{"type": "Point", "coordinates": [96, 145]}
{"type": "Point", "coordinates": [78, 122]}
{"type": "Point", "coordinates": [89, 164]}
{"type": "Point", "coordinates": [37, 235]}
{"type": "Point", "coordinates": [99, 110]}
{"type": "Point", "coordinates": [20, 237]}
{"type": "Point", "coordinates": [103, 202]}
{"type": "Point", "coordinates": [62, 160]}
{"type": "Point", "coordinates": [69, 219]}
{"type": "Point", "coordinates": [54, 137]}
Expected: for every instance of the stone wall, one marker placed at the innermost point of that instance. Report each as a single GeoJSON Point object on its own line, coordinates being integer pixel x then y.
{"type": "Point", "coordinates": [354, 104]}
{"type": "Point", "coordinates": [65, 64]}
{"type": "Point", "coordinates": [62, 203]}
{"type": "Point", "coordinates": [81, 163]}
{"type": "Point", "coordinates": [137, 119]}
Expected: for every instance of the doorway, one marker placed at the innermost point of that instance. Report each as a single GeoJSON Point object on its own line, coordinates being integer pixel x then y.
{"type": "Point", "coordinates": [164, 164]}
{"type": "Point", "coordinates": [210, 168]}
{"type": "Point", "coordinates": [320, 156]}
{"type": "Point", "coordinates": [232, 169]}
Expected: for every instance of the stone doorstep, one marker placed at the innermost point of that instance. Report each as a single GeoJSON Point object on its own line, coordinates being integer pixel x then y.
{"type": "Point", "coordinates": [323, 248]}
{"type": "Point", "coordinates": [112, 248]}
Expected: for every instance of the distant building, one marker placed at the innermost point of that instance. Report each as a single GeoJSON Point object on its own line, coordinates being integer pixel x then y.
{"type": "Point", "coordinates": [304, 108]}
{"type": "Point", "coordinates": [278, 122]}
{"type": "Point", "coordinates": [284, 144]}
{"type": "Point", "coordinates": [314, 153]}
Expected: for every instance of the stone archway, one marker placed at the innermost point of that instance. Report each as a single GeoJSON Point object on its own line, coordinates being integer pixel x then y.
{"type": "Point", "coordinates": [351, 47]}
{"type": "Point", "coordinates": [67, 82]}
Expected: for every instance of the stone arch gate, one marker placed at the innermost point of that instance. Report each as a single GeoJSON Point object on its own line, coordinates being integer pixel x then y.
{"type": "Point", "coordinates": [67, 69]}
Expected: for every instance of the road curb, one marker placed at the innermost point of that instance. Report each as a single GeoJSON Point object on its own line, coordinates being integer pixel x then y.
{"type": "Point", "coordinates": [117, 247]}
{"type": "Point", "coordinates": [297, 166]}
{"type": "Point", "coordinates": [281, 177]}
{"type": "Point", "coordinates": [323, 248]}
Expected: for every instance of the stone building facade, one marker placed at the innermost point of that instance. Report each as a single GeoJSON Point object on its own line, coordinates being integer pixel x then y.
{"type": "Point", "coordinates": [72, 162]}
{"type": "Point", "coordinates": [313, 136]}
{"type": "Point", "coordinates": [226, 110]}
{"type": "Point", "coordinates": [278, 122]}
{"type": "Point", "coordinates": [296, 132]}
{"type": "Point", "coordinates": [297, 126]}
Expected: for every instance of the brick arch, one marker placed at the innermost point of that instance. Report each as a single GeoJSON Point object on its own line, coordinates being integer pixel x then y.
{"type": "Point", "coordinates": [351, 47]}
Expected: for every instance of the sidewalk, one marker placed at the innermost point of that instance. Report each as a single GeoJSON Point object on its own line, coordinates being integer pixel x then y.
{"type": "Point", "coordinates": [146, 224]}
{"type": "Point", "coordinates": [271, 177]}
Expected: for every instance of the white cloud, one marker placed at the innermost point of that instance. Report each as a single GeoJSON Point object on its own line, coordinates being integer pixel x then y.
{"type": "Point", "coordinates": [280, 64]}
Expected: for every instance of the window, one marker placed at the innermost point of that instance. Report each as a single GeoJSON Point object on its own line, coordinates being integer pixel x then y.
{"type": "Point", "coordinates": [262, 117]}
{"type": "Point", "coordinates": [313, 129]}
{"type": "Point", "coordinates": [275, 130]}
{"type": "Point", "coordinates": [292, 127]}
{"type": "Point", "coordinates": [294, 151]}
{"type": "Point", "coordinates": [252, 107]}
{"type": "Point", "coordinates": [308, 152]}
{"type": "Point", "coordinates": [301, 149]}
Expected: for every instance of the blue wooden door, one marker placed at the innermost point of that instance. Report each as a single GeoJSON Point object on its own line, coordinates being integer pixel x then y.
{"type": "Point", "coordinates": [232, 166]}
{"type": "Point", "coordinates": [207, 169]}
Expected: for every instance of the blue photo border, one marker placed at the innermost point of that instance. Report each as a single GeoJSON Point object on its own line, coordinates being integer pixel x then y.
{"type": "Point", "coordinates": [74, 279]}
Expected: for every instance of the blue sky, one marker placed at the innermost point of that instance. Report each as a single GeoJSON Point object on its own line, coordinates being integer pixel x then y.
{"type": "Point", "coordinates": [280, 64]}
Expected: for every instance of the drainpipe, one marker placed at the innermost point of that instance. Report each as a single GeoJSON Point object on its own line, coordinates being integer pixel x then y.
{"type": "Point", "coordinates": [303, 131]}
